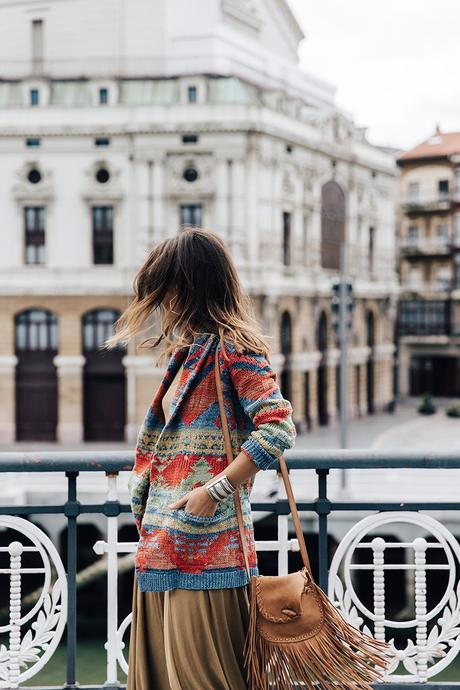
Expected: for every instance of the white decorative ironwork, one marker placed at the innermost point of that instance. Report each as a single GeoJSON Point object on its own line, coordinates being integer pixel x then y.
{"type": "Point", "coordinates": [32, 636]}
{"type": "Point", "coordinates": [115, 645]}
{"type": "Point", "coordinates": [433, 636]}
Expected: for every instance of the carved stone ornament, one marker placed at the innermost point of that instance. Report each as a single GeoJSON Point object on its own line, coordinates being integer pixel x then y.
{"type": "Point", "coordinates": [178, 186]}
{"type": "Point", "coordinates": [244, 11]}
{"type": "Point", "coordinates": [288, 184]}
{"type": "Point", "coordinates": [26, 192]}
{"type": "Point", "coordinates": [94, 191]}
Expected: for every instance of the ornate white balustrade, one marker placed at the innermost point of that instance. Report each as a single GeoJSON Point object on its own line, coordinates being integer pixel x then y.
{"type": "Point", "coordinates": [424, 636]}
{"type": "Point", "coordinates": [33, 635]}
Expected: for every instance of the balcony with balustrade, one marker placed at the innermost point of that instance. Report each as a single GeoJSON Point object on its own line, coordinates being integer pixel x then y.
{"type": "Point", "coordinates": [428, 203]}
{"type": "Point", "coordinates": [391, 564]}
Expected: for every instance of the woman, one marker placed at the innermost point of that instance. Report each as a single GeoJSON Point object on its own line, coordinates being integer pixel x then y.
{"type": "Point", "coordinates": [190, 600]}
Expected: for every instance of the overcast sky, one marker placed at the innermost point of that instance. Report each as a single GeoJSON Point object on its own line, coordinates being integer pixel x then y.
{"type": "Point", "coordinates": [395, 63]}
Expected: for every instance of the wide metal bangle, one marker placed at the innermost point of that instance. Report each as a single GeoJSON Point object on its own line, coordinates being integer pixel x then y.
{"type": "Point", "coordinates": [220, 488]}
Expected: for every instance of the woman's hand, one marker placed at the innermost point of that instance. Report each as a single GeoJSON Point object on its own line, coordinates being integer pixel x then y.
{"type": "Point", "coordinates": [197, 502]}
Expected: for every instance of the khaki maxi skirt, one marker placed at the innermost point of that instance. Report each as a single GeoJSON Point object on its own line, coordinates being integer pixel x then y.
{"type": "Point", "coordinates": [188, 639]}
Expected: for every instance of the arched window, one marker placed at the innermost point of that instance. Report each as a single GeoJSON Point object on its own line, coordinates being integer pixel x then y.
{"type": "Point", "coordinates": [370, 328]}
{"type": "Point", "coordinates": [321, 333]}
{"type": "Point", "coordinates": [36, 343]}
{"type": "Point", "coordinates": [332, 224]}
{"type": "Point", "coordinates": [286, 349]}
{"type": "Point", "coordinates": [322, 377]}
{"type": "Point", "coordinates": [286, 333]}
{"type": "Point", "coordinates": [36, 329]}
{"type": "Point", "coordinates": [98, 326]}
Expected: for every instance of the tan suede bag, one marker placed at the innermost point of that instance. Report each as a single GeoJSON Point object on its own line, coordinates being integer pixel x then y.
{"type": "Point", "coordinates": [295, 633]}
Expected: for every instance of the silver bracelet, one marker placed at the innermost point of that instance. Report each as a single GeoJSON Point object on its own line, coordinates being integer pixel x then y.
{"type": "Point", "coordinates": [220, 488]}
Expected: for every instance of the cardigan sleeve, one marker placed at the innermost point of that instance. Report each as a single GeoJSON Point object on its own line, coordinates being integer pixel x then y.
{"type": "Point", "coordinates": [139, 485]}
{"type": "Point", "coordinates": [260, 396]}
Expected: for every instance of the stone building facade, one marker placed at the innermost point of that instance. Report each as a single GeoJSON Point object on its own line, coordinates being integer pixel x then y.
{"type": "Point", "coordinates": [163, 117]}
{"type": "Point", "coordinates": [429, 259]}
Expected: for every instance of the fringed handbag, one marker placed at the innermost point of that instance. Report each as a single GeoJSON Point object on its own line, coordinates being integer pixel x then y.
{"type": "Point", "coordinates": [296, 635]}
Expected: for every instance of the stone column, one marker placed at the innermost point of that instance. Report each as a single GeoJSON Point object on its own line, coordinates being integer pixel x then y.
{"type": "Point", "coordinates": [7, 396]}
{"type": "Point", "coordinates": [70, 397]}
{"type": "Point", "coordinates": [357, 357]}
{"type": "Point", "coordinates": [158, 200]}
{"type": "Point", "coordinates": [142, 379]}
{"type": "Point", "coordinates": [301, 363]}
{"type": "Point", "coordinates": [384, 373]}
{"type": "Point", "coordinates": [314, 397]}
{"type": "Point", "coordinates": [221, 224]}
{"type": "Point", "coordinates": [237, 211]}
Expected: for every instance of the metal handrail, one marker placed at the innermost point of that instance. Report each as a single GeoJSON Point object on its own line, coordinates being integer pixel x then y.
{"type": "Point", "coordinates": [123, 460]}
{"type": "Point", "coordinates": [111, 463]}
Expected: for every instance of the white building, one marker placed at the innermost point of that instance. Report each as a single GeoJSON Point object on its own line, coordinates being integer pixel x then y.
{"type": "Point", "coordinates": [120, 121]}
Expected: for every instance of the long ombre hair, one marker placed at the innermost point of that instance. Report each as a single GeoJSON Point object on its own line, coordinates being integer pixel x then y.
{"type": "Point", "coordinates": [192, 283]}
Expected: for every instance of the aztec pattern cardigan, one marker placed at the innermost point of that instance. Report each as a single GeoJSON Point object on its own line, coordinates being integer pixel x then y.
{"type": "Point", "coordinates": [178, 549]}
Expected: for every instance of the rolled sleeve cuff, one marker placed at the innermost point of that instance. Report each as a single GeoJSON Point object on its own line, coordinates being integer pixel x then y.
{"type": "Point", "coordinates": [258, 455]}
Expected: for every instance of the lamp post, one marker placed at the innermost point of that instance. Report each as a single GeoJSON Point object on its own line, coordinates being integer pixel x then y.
{"type": "Point", "coordinates": [342, 313]}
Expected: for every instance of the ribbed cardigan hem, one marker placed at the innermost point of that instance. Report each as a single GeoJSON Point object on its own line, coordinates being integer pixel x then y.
{"type": "Point", "coordinates": [152, 580]}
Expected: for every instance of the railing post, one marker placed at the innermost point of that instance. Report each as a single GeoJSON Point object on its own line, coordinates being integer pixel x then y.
{"type": "Point", "coordinates": [420, 547]}
{"type": "Point", "coordinates": [323, 509]}
{"type": "Point", "coordinates": [71, 510]}
{"type": "Point", "coordinates": [283, 536]}
{"type": "Point", "coordinates": [378, 559]}
{"type": "Point", "coordinates": [112, 581]}
{"type": "Point", "coordinates": [15, 550]}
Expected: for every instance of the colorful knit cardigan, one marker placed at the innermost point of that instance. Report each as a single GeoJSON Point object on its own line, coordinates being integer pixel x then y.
{"type": "Point", "coordinates": [177, 549]}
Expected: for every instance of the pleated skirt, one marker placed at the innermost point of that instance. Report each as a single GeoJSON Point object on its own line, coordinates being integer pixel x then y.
{"type": "Point", "coordinates": [188, 639]}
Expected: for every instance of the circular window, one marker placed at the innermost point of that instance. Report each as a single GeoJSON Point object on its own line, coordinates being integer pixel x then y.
{"type": "Point", "coordinates": [102, 175]}
{"type": "Point", "coordinates": [34, 176]}
{"type": "Point", "coordinates": [190, 174]}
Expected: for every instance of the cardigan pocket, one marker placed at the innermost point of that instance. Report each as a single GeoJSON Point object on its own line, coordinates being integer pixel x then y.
{"type": "Point", "coordinates": [222, 511]}
{"type": "Point", "coordinates": [201, 519]}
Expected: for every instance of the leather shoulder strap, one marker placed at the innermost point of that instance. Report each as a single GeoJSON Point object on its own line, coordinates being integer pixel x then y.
{"type": "Point", "coordinates": [236, 494]}
{"type": "Point", "coordinates": [229, 453]}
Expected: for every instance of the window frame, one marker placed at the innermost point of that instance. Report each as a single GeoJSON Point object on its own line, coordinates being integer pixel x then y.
{"type": "Point", "coordinates": [34, 234]}
{"type": "Point", "coordinates": [102, 234]}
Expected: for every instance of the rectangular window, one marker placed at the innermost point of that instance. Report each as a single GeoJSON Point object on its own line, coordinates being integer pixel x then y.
{"type": "Point", "coordinates": [34, 234]}
{"type": "Point", "coordinates": [442, 234]}
{"type": "Point", "coordinates": [443, 188]}
{"type": "Point", "coordinates": [34, 97]}
{"type": "Point", "coordinates": [37, 45]}
{"type": "Point", "coordinates": [102, 234]}
{"type": "Point", "coordinates": [190, 139]}
{"type": "Point", "coordinates": [103, 96]}
{"type": "Point", "coordinates": [457, 229]}
{"type": "Point", "coordinates": [286, 238]}
{"type": "Point", "coordinates": [33, 143]}
{"type": "Point", "coordinates": [102, 141]}
{"type": "Point", "coordinates": [443, 279]}
{"type": "Point", "coordinates": [192, 94]}
{"type": "Point", "coordinates": [191, 214]}
{"type": "Point", "coordinates": [305, 238]}
{"type": "Point", "coordinates": [413, 191]}
{"type": "Point", "coordinates": [456, 271]}
{"type": "Point", "coordinates": [371, 249]}
{"type": "Point", "coordinates": [412, 235]}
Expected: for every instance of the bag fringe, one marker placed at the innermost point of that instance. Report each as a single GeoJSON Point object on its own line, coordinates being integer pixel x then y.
{"type": "Point", "coordinates": [340, 655]}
